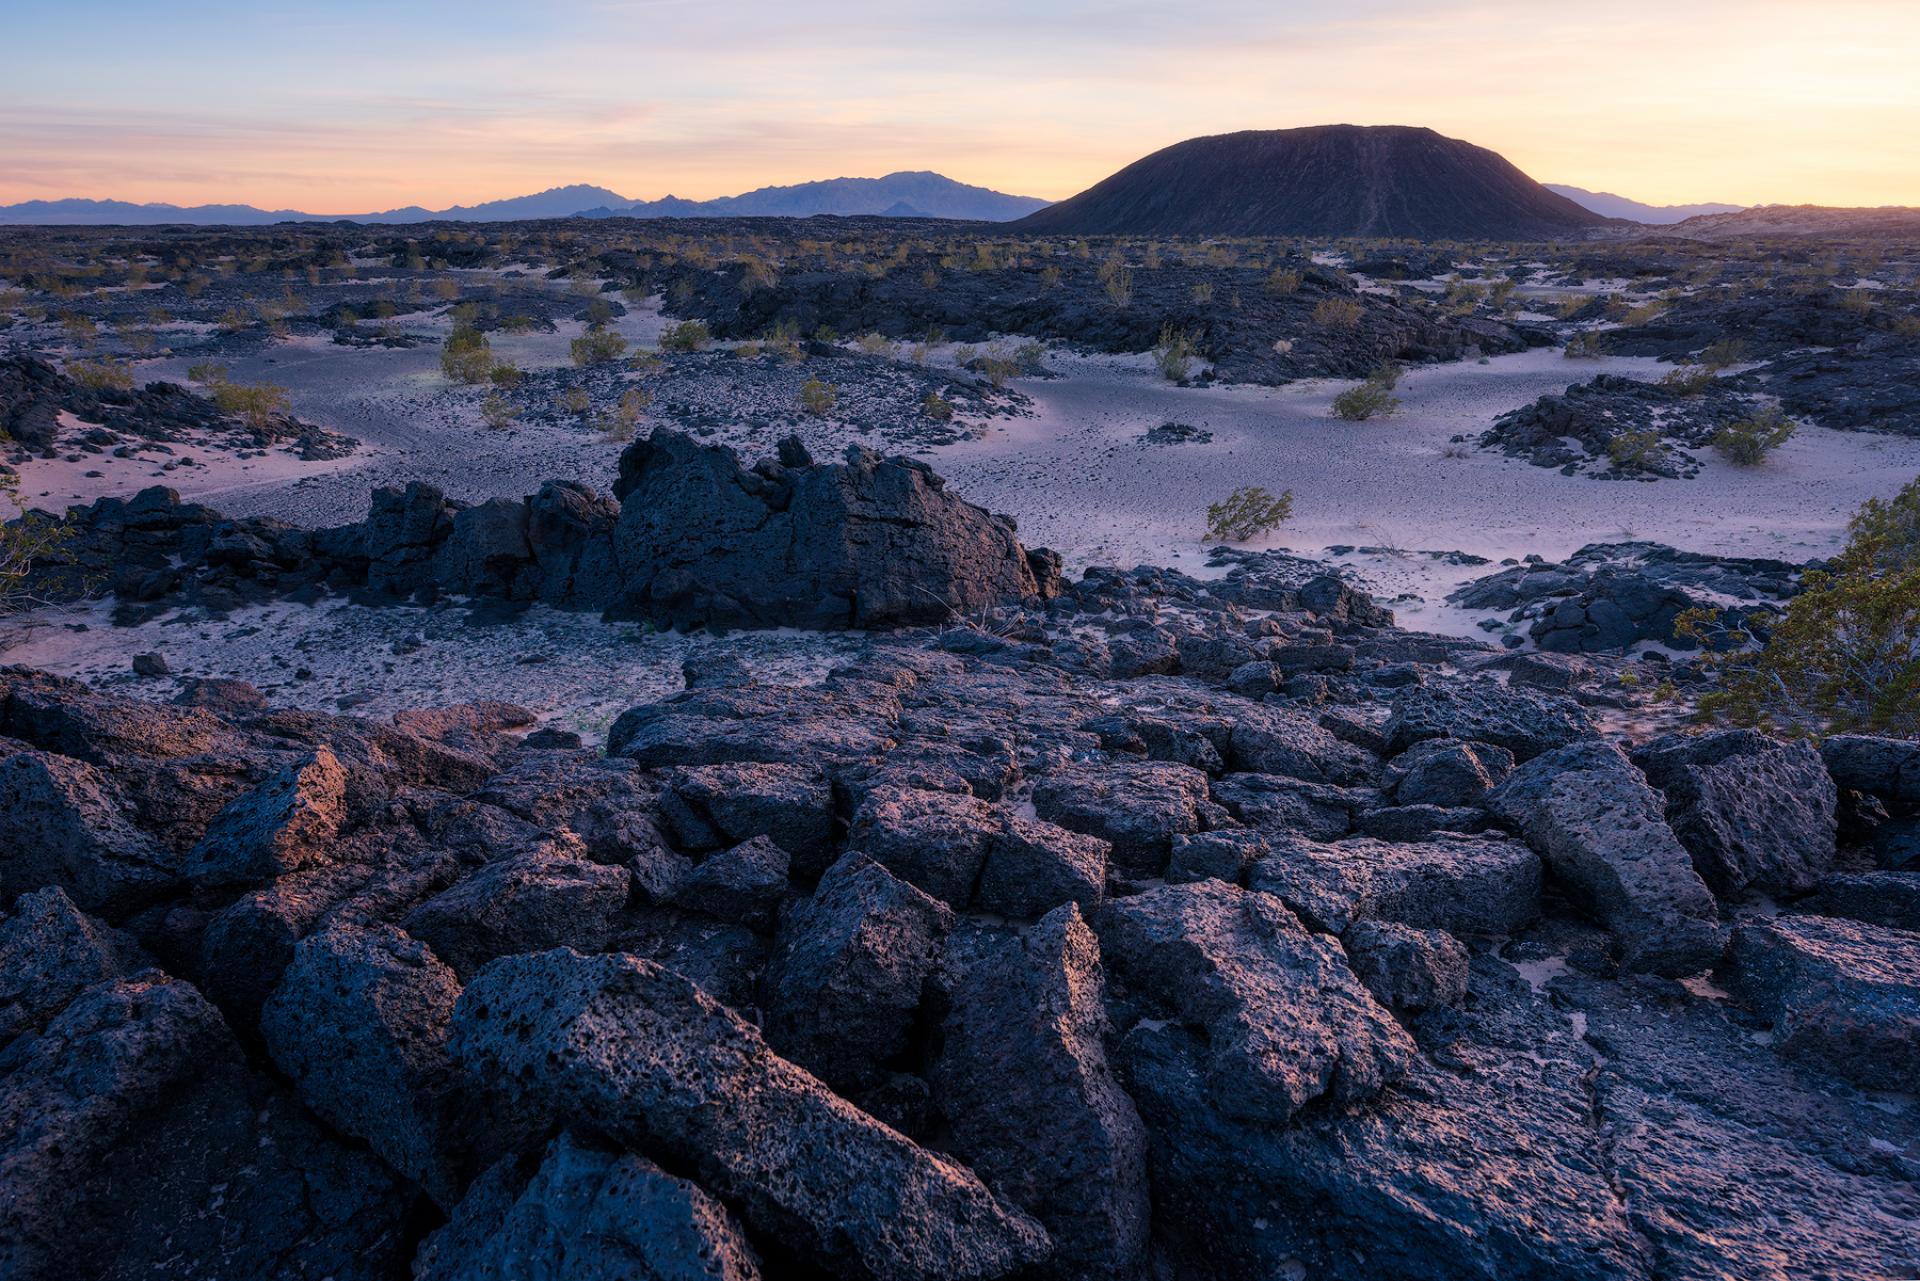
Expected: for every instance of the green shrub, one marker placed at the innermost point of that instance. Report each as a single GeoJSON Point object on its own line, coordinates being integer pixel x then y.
{"type": "Point", "coordinates": [498, 411]}
{"type": "Point", "coordinates": [257, 403]}
{"type": "Point", "coordinates": [1845, 657]}
{"type": "Point", "coordinates": [1373, 398]}
{"type": "Point", "coordinates": [1338, 313]}
{"type": "Point", "coordinates": [597, 346]}
{"type": "Point", "coordinates": [1585, 346]}
{"type": "Point", "coordinates": [466, 357]}
{"type": "Point", "coordinates": [1748, 442]}
{"type": "Point", "coordinates": [1247, 513]}
{"type": "Point", "coordinates": [818, 398]}
{"type": "Point", "coordinates": [207, 373]}
{"type": "Point", "coordinates": [937, 407]}
{"type": "Point", "coordinates": [1282, 281]}
{"type": "Point", "coordinates": [1724, 354]}
{"type": "Point", "coordinates": [101, 375]}
{"type": "Point", "coordinates": [1635, 450]}
{"type": "Point", "coordinates": [28, 540]}
{"type": "Point", "coordinates": [1174, 353]}
{"type": "Point", "coordinates": [1688, 380]}
{"type": "Point", "coordinates": [688, 335]}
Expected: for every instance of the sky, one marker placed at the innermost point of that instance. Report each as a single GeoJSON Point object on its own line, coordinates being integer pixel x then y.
{"type": "Point", "coordinates": [348, 106]}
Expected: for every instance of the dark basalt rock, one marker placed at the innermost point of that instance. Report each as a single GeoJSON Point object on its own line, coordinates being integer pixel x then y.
{"type": "Point", "coordinates": [1603, 834]}
{"type": "Point", "coordinates": [644, 1056]}
{"type": "Point", "coordinates": [1751, 811]}
{"type": "Point", "coordinates": [1610, 597]}
{"type": "Point", "coordinates": [692, 538]}
{"type": "Point", "coordinates": [584, 1210]}
{"type": "Point", "coordinates": [1595, 414]}
{"type": "Point", "coordinates": [1843, 995]}
{"type": "Point", "coordinates": [1521, 721]}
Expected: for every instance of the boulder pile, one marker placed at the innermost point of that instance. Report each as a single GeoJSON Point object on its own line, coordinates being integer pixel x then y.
{"type": "Point", "coordinates": [689, 538]}
{"type": "Point", "coordinates": [1162, 930]}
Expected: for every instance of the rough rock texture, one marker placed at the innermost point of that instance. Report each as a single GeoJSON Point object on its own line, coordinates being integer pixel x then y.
{"type": "Point", "coordinates": [50, 952]}
{"type": "Point", "coordinates": [696, 539]}
{"type": "Point", "coordinates": [66, 826]}
{"type": "Point", "coordinates": [1605, 839]}
{"type": "Point", "coordinates": [285, 824]}
{"type": "Point", "coordinates": [1406, 968]}
{"type": "Point", "coordinates": [1267, 1017]}
{"type": "Point", "coordinates": [359, 1024]}
{"type": "Point", "coordinates": [847, 971]}
{"type": "Point", "coordinates": [646, 1057]}
{"type": "Point", "coordinates": [1462, 884]}
{"type": "Point", "coordinates": [1521, 721]}
{"type": "Point", "coordinates": [584, 1212]}
{"type": "Point", "coordinates": [1885, 767]}
{"type": "Point", "coordinates": [1841, 994]}
{"type": "Point", "coordinates": [1022, 1081]}
{"type": "Point", "coordinates": [528, 902]}
{"type": "Point", "coordinates": [865, 543]}
{"type": "Point", "coordinates": [1137, 808]}
{"type": "Point", "coordinates": [1753, 812]}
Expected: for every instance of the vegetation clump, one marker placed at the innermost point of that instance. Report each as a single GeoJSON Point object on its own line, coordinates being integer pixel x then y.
{"type": "Point", "coordinates": [688, 335]}
{"type": "Point", "coordinates": [1748, 442]}
{"type": "Point", "coordinates": [1247, 513]}
{"type": "Point", "coordinates": [1845, 657]}
{"type": "Point", "coordinates": [818, 398]}
{"type": "Point", "coordinates": [1373, 398]}
{"type": "Point", "coordinates": [466, 357]}
{"type": "Point", "coordinates": [1174, 353]}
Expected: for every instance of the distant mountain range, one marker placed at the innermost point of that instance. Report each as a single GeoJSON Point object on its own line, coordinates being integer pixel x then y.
{"type": "Point", "coordinates": [1608, 205]}
{"type": "Point", "coordinates": [1802, 220]}
{"type": "Point", "coordinates": [918, 194]}
{"type": "Point", "coordinates": [1328, 180]}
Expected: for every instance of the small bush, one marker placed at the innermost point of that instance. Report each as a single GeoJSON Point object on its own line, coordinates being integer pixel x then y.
{"type": "Point", "coordinates": [101, 375]}
{"type": "Point", "coordinates": [466, 356]}
{"type": "Point", "coordinates": [1585, 346]}
{"type": "Point", "coordinates": [1174, 353]}
{"type": "Point", "coordinates": [207, 373]}
{"type": "Point", "coordinates": [1120, 288]}
{"type": "Point", "coordinates": [1338, 313]}
{"type": "Point", "coordinates": [597, 346]}
{"type": "Point", "coordinates": [1373, 398]}
{"type": "Point", "coordinates": [498, 411]}
{"type": "Point", "coordinates": [1845, 658]}
{"type": "Point", "coordinates": [937, 407]}
{"type": "Point", "coordinates": [818, 398]}
{"type": "Point", "coordinates": [688, 335]}
{"type": "Point", "coordinates": [257, 403]}
{"type": "Point", "coordinates": [1282, 281]}
{"type": "Point", "coordinates": [1724, 354]}
{"type": "Point", "coordinates": [1247, 513]}
{"type": "Point", "coordinates": [1748, 442]}
{"type": "Point", "coordinates": [1635, 450]}
{"type": "Point", "coordinates": [574, 400]}
{"type": "Point", "coordinates": [1688, 380]}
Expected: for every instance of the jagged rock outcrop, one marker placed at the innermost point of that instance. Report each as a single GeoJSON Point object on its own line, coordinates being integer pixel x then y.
{"type": "Point", "coordinates": [691, 538]}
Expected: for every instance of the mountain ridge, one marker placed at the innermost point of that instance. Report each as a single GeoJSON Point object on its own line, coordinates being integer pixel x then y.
{"type": "Point", "coordinates": [926, 193]}
{"type": "Point", "coordinates": [1609, 205]}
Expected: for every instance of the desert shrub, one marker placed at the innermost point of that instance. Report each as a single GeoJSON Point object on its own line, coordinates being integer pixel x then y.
{"type": "Point", "coordinates": [505, 375]}
{"type": "Point", "coordinates": [1723, 354]}
{"type": "Point", "coordinates": [1635, 450]}
{"type": "Point", "coordinates": [1749, 441]}
{"type": "Point", "coordinates": [874, 344]}
{"type": "Point", "coordinates": [29, 539]}
{"type": "Point", "coordinates": [207, 373]}
{"type": "Point", "coordinates": [1282, 281]}
{"type": "Point", "coordinates": [1337, 313]}
{"type": "Point", "coordinates": [101, 375]}
{"type": "Point", "coordinates": [688, 335]}
{"type": "Point", "coordinates": [1845, 657]}
{"type": "Point", "coordinates": [1247, 513]}
{"type": "Point", "coordinates": [1049, 277]}
{"type": "Point", "coordinates": [1688, 380]}
{"type": "Point", "coordinates": [1642, 314]}
{"type": "Point", "coordinates": [1174, 353]}
{"type": "Point", "coordinates": [1203, 293]}
{"type": "Point", "coordinates": [597, 346]}
{"type": "Point", "coordinates": [1120, 288]}
{"type": "Point", "coordinates": [1857, 301]}
{"type": "Point", "coordinates": [1585, 346]}
{"type": "Point", "coordinates": [498, 411]}
{"type": "Point", "coordinates": [574, 400]}
{"type": "Point", "coordinates": [817, 398]}
{"type": "Point", "coordinates": [466, 356]}
{"type": "Point", "coordinates": [937, 407]}
{"type": "Point", "coordinates": [257, 403]}
{"type": "Point", "coordinates": [1366, 400]}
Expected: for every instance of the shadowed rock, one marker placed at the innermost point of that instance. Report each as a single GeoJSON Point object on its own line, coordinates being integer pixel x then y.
{"type": "Point", "coordinates": [583, 1212]}
{"type": "Point", "coordinates": [1753, 812]}
{"type": "Point", "coordinates": [845, 977]}
{"type": "Point", "coordinates": [1462, 884]}
{"type": "Point", "coordinates": [1523, 722]}
{"type": "Point", "coordinates": [66, 825]}
{"type": "Point", "coordinates": [50, 952]}
{"type": "Point", "coordinates": [1023, 1082]}
{"type": "Point", "coordinates": [640, 1053]}
{"type": "Point", "coordinates": [1841, 994]}
{"type": "Point", "coordinates": [284, 824]}
{"type": "Point", "coordinates": [1604, 836]}
{"type": "Point", "coordinates": [870, 542]}
{"type": "Point", "coordinates": [527, 903]}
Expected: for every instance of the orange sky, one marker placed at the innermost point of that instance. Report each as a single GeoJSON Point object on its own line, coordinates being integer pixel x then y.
{"type": "Point", "coordinates": [363, 106]}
